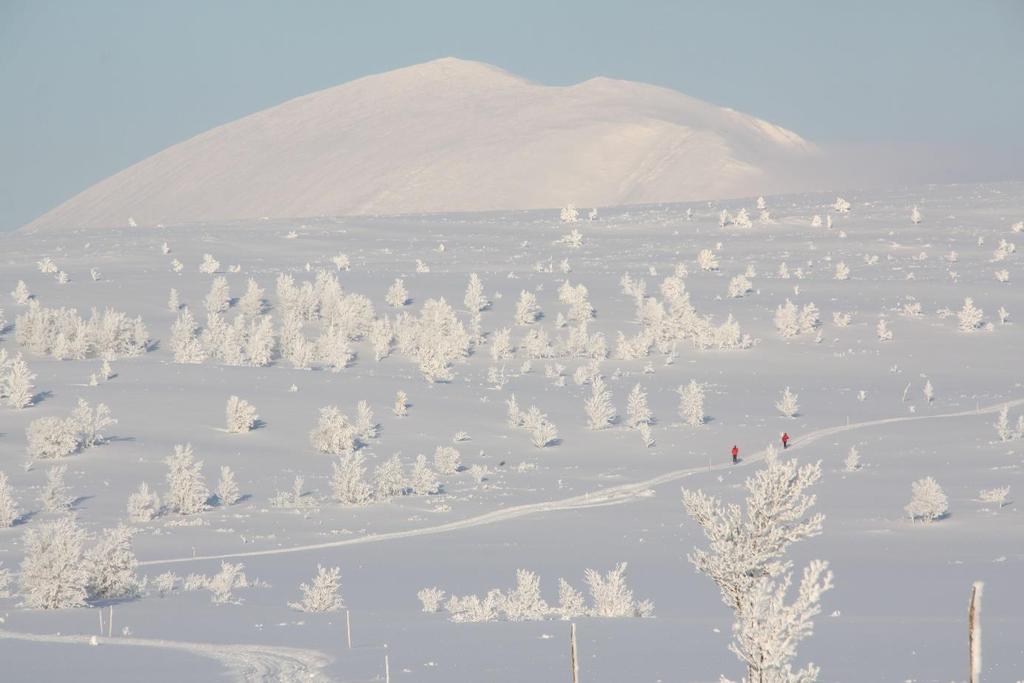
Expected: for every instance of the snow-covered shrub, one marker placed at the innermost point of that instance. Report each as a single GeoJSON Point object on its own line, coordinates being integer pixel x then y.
{"type": "Point", "coordinates": [61, 333]}
{"type": "Point", "coordinates": [447, 460]}
{"type": "Point", "coordinates": [1002, 424]}
{"type": "Point", "coordinates": [143, 505]}
{"type": "Point", "coordinates": [571, 603]}
{"type": "Point", "coordinates": [996, 496]}
{"type": "Point", "coordinates": [52, 437]}
{"type": "Point", "coordinates": [569, 214]}
{"type": "Point", "coordinates": [612, 597]}
{"type": "Point", "coordinates": [435, 340]}
{"type": "Point", "coordinates": [227, 488]}
{"type": "Point", "coordinates": [334, 433]}
{"type": "Point", "coordinates": [542, 432]}
{"type": "Point", "coordinates": [21, 293]}
{"type": "Point", "coordinates": [53, 575]}
{"type": "Point", "coordinates": [842, 271]}
{"type": "Point", "coordinates": [970, 316]}
{"type": "Point", "coordinates": [209, 265]}
{"type": "Point", "coordinates": [401, 405]}
{"type": "Point", "coordinates": [472, 609]}
{"type": "Point", "coordinates": [742, 219]}
{"type": "Point", "coordinates": [928, 501]}
{"type": "Point", "coordinates": [524, 603]}
{"type": "Point", "coordinates": [225, 581]}
{"type": "Point", "coordinates": [707, 260]}
{"type": "Point", "coordinates": [882, 330]}
{"type": "Point", "coordinates": [841, 205]}
{"type": "Point", "coordinates": [111, 565]}
{"type": "Point", "coordinates": [637, 411]}
{"type": "Point", "coordinates": [55, 496]}
{"type": "Point", "coordinates": [185, 343]}
{"type": "Point", "coordinates": [218, 300]}
{"type": "Point", "coordinates": [739, 286]}
{"type": "Point", "coordinates": [348, 485]}
{"type": "Point", "coordinates": [8, 507]}
{"type": "Point", "coordinates": [422, 479]}
{"type": "Point", "coordinates": [397, 296]}
{"type": "Point", "coordinates": [241, 416]}
{"type": "Point", "coordinates": [915, 216]}
{"type": "Point", "coordinates": [787, 404]}
{"type": "Point", "coordinates": [840, 319]}
{"type": "Point", "coordinates": [928, 391]}
{"type": "Point", "coordinates": [323, 594]}
{"type": "Point", "coordinates": [16, 381]}
{"type": "Point", "coordinates": [389, 479]}
{"type": "Point", "coordinates": [691, 403]}
{"type": "Point", "coordinates": [527, 309]}
{"type": "Point", "coordinates": [187, 492]}
{"type": "Point", "coordinates": [431, 598]}
{"type": "Point", "coordinates": [599, 408]}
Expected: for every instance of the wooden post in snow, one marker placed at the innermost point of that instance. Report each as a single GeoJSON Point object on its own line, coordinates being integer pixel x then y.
{"type": "Point", "coordinates": [387, 670]}
{"type": "Point", "coordinates": [348, 629]}
{"type": "Point", "coordinates": [110, 623]}
{"type": "Point", "coordinates": [573, 657]}
{"type": "Point", "coordinates": [100, 610]}
{"type": "Point", "coordinates": [974, 631]}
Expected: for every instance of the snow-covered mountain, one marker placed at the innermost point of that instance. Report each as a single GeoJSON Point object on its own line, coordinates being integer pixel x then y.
{"type": "Point", "coordinates": [451, 135]}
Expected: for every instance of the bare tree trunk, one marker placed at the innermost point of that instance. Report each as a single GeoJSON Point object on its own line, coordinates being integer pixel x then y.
{"type": "Point", "coordinates": [974, 631]}
{"type": "Point", "coordinates": [573, 657]}
{"type": "Point", "coordinates": [387, 670]}
{"type": "Point", "coordinates": [110, 623]}
{"type": "Point", "coordinates": [348, 629]}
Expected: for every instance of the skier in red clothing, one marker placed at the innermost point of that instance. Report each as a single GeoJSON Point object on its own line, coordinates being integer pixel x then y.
{"type": "Point", "coordinates": [735, 453]}
{"type": "Point", "coordinates": [785, 440]}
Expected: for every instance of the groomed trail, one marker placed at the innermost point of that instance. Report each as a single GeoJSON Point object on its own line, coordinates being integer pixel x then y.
{"type": "Point", "coordinates": [249, 663]}
{"type": "Point", "coordinates": [610, 496]}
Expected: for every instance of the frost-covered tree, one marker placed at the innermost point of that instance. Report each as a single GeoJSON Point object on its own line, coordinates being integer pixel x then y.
{"type": "Point", "coordinates": [787, 319]}
{"type": "Point", "coordinates": [91, 422]}
{"type": "Point", "coordinates": [227, 488]}
{"type": "Point", "coordinates": [475, 300]}
{"type": "Point", "coordinates": [1002, 424]}
{"type": "Point", "coordinates": [401, 405]}
{"type": "Point", "coordinates": [223, 583]}
{"type": "Point", "coordinates": [742, 219]}
{"type": "Point", "coordinates": [738, 287]}
{"type": "Point", "coordinates": [16, 383]}
{"type": "Point", "coordinates": [240, 416]}
{"type": "Point", "coordinates": [928, 391]}
{"type": "Point", "coordinates": [883, 331]}
{"type": "Point", "coordinates": [323, 594]}
{"type": "Point", "coordinates": [915, 216]}
{"type": "Point", "coordinates": [397, 296]}
{"type": "Point", "coordinates": [174, 300]}
{"type": "Point", "coordinates": [251, 303]}
{"type": "Point", "coordinates": [691, 403]}
{"type": "Point", "coordinates": [143, 505]}
{"type": "Point", "coordinates": [787, 404]}
{"type": "Point", "coordinates": [542, 432]}
{"type": "Point", "coordinates": [218, 300]}
{"type": "Point", "coordinates": [55, 496]}
{"type": "Point", "coordinates": [841, 205]}
{"type": "Point", "coordinates": [21, 293]}
{"type": "Point", "coordinates": [599, 408]}
{"type": "Point", "coordinates": [611, 595]}
{"type": "Point", "coordinates": [348, 485]}
{"type": "Point", "coordinates": [389, 479]}
{"type": "Point", "coordinates": [571, 603]}
{"type": "Point", "coordinates": [746, 554]}
{"type": "Point", "coordinates": [447, 460]}
{"type": "Point", "coordinates": [334, 433]}
{"type": "Point", "coordinates": [852, 461]}
{"type": "Point", "coordinates": [501, 345]}
{"type": "Point", "coordinates": [928, 501]}
{"type": "Point", "coordinates": [209, 265]}
{"type": "Point", "coordinates": [53, 575]}
{"type": "Point", "coordinates": [524, 602]}
{"type": "Point", "coordinates": [366, 427]}
{"type": "Point", "coordinates": [435, 340]}
{"type": "Point", "coordinates": [842, 271]}
{"type": "Point", "coordinates": [970, 316]}
{"type": "Point", "coordinates": [111, 566]}
{"type": "Point", "coordinates": [637, 412]}
{"type": "Point", "coordinates": [185, 344]}
{"type": "Point", "coordinates": [431, 598]}
{"type": "Point", "coordinates": [422, 479]}
{"type": "Point", "coordinates": [996, 496]}
{"type": "Point", "coordinates": [52, 437]}
{"type": "Point", "coordinates": [569, 214]}
{"type": "Point", "coordinates": [187, 492]}
{"type": "Point", "coordinates": [8, 506]}
{"type": "Point", "coordinates": [527, 310]}
{"type": "Point", "coordinates": [707, 260]}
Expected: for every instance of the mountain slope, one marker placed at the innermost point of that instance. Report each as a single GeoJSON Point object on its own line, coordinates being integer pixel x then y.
{"type": "Point", "coordinates": [449, 135]}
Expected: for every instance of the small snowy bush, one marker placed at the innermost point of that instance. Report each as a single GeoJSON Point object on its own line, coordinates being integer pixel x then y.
{"type": "Point", "coordinates": [928, 501]}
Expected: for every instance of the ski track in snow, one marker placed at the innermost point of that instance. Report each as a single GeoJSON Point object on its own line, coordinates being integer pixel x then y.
{"type": "Point", "coordinates": [614, 495]}
{"type": "Point", "coordinates": [243, 662]}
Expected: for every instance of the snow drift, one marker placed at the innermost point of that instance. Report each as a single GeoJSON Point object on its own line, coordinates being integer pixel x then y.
{"type": "Point", "coordinates": [450, 135]}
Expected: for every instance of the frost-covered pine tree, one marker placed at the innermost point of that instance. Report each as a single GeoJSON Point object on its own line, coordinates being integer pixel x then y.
{"type": "Point", "coordinates": [53, 575]}
{"type": "Point", "coordinates": [91, 422]}
{"type": "Point", "coordinates": [251, 303]}
{"type": "Point", "coordinates": [787, 319]}
{"type": "Point", "coordinates": [637, 412]}
{"type": "Point", "coordinates": [842, 271]}
{"type": "Point", "coordinates": [397, 296]}
{"type": "Point", "coordinates": [787, 404]}
{"type": "Point", "coordinates": [928, 501]}
{"type": "Point", "coordinates": [209, 265]}
{"type": "Point", "coordinates": [187, 492]}
{"type": "Point", "coordinates": [599, 408]}
{"type": "Point", "coordinates": [501, 345]}
{"type": "Point", "coordinates": [348, 485]}
{"type": "Point", "coordinates": [527, 310]}
{"type": "Point", "coordinates": [174, 300]}
{"type": "Point", "coordinates": [389, 479]}
{"type": "Point", "coordinates": [610, 594]}
{"type": "Point", "coordinates": [1002, 424]}
{"type": "Point", "coordinates": [475, 300]}
{"type": "Point", "coordinates": [218, 300]}
{"type": "Point", "coordinates": [738, 287]}
{"type": "Point", "coordinates": [366, 427]}
{"type": "Point", "coordinates": [240, 416]}
{"type": "Point", "coordinates": [691, 403]}
{"type": "Point", "coordinates": [447, 460]}
{"type": "Point", "coordinates": [928, 391]}
{"type": "Point", "coordinates": [111, 566]}
{"type": "Point", "coordinates": [143, 505]}
{"type": "Point", "coordinates": [745, 557]}
{"type": "Point", "coordinates": [323, 594]}
{"type": "Point", "coordinates": [16, 383]}
{"type": "Point", "coordinates": [185, 343]}
{"type": "Point", "coordinates": [333, 433]}
{"type": "Point", "coordinates": [8, 506]}
{"type": "Point", "coordinates": [571, 603]}
{"type": "Point", "coordinates": [915, 216]}
{"type": "Point", "coordinates": [542, 432]}
{"type": "Point", "coordinates": [852, 461]}
{"type": "Point", "coordinates": [55, 496]}
{"type": "Point", "coordinates": [227, 488]}
{"type": "Point", "coordinates": [401, 406]}
{"type": "Point", "coordinates": [970, 316]}
{"type": "Point", "coordinates": [21, 294]}
{"type": "Point", "coordinates": [524, 602]}
{"type": "Point", "coordinates": [707, 260]}
{"type": "Point", "coordinates": [883, 331]}
{"type": "Point", "coordinates": [422, 479]}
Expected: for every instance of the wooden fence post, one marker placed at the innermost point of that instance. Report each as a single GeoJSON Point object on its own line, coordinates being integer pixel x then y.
{"type": "Point", "coordinates": [573, 657]}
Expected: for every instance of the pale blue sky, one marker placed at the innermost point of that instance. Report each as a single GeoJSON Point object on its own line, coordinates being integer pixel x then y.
{"type": "Point", "coordinates": [87, 88]}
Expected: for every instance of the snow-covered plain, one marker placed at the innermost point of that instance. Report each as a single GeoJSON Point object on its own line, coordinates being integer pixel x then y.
{"type": "Point", "coordinates": [592, 499]}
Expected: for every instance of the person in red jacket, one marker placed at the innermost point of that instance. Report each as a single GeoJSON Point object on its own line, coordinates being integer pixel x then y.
{"type": "Point", "coordinates": [735, 453]}
{"type": "Point", "coordinates": [785, 440]}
